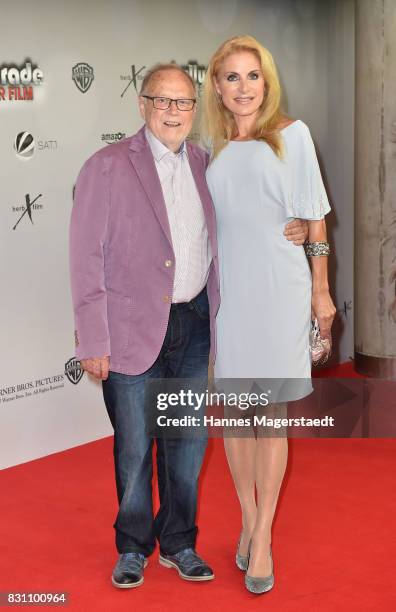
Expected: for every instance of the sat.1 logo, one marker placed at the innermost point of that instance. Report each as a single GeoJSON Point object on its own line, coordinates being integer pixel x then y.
{"type": "Point", "coordinates": [25, 145]}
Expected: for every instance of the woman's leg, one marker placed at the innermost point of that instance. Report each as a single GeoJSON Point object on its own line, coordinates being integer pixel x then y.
{"type": "Point", "coordinates": [270, 466]}
{"type": "Point", "coordinates": [241, 456]}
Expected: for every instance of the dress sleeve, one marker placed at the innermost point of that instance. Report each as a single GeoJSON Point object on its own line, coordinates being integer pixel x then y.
{"type": "Point", "coordinates": [307, 198]}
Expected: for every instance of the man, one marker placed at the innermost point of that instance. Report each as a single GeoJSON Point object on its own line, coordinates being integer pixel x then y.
{"type": "Point", "coordinates": [146, 291]}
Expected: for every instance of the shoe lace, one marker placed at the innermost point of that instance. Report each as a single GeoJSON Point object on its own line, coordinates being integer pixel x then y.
{"type": "Point", "coordinates": [131, 561]}
{"type": "Point", "coordinates": [189, 558]}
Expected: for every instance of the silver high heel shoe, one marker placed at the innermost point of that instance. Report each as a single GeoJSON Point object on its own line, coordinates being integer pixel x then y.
{"type": "Point", "coordinates": [260, 585]}
{"type": "Point", "coordinates": [240, 560]}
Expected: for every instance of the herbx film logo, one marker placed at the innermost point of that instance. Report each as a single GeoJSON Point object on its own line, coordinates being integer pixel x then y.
{"type": "Point", "coordinates": [193, 68]}
{"type": "Point", "coordinates": [133, 78]}
{"type": "Point", "coordinates": [25, 145]}
{"type": "Point", "coordinates": [30, 208]}
{"type": "Point", "coordinates": [112, 137]}
{"type": "Point", "coordinates": [73, 370]}
{"type": "Point", "coordinates": [83, 76]}
{"type": "Point", "coordinates": [17, 82]}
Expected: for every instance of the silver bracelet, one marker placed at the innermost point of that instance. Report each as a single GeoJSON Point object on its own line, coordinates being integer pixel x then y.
{"type": "Point", "coordinates": [315, 249]}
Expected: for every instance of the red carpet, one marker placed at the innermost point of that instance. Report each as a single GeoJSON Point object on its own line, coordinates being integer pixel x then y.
{"type": "Point", "coordinates": [334, 537]}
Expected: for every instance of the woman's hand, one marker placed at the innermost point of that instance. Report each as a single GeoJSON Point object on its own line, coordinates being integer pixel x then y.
{"type": "Point", "coordinates": [324, 310]}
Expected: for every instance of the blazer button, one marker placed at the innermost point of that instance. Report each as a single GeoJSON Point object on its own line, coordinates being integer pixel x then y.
{"type": "Point", "coordinates": [168, 263]}
{"type": "Point", "coordinates": [166, 298]}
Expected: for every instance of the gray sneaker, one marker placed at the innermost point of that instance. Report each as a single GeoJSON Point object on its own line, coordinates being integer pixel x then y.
{"type": "Point", "coordinates": [128, 571]}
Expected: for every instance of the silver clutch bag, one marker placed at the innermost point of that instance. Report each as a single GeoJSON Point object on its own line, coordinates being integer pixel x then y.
{"type": "Point", "coordinates": [320, 348]}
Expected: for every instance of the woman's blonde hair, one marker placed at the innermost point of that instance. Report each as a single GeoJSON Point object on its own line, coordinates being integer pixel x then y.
{"type": "Point", "coordinates": [218, 124]}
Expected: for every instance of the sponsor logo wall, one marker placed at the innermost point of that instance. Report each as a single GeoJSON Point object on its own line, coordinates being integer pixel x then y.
{"type": "Point", "coordinates": [58, 105]}
{"type": "Point", "coordinates": [75, 107]}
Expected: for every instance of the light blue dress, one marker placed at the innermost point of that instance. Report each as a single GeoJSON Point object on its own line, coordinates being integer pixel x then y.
{"type": "Point", "coordinates": [265, 281]}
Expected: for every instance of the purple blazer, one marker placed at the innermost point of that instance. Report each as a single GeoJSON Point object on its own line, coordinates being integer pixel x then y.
{"type": "Point", "coordinates": [119, 243]}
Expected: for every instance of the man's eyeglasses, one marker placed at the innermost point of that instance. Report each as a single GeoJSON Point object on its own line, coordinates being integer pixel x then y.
{"type": "Point", "coordinates": [183, 104]}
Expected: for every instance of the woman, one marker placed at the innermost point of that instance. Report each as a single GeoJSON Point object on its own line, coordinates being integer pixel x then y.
{"type": "Point", "coordinates": [263, 172]}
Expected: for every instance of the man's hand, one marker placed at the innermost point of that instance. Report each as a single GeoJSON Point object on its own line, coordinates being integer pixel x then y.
{"type": "Point", "coordinates": [297, 231]}
{"type": "Point", "coordinates": [97, 366]}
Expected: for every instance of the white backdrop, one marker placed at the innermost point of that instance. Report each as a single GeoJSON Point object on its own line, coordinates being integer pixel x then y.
{"type": "Point", "coordinates": [41, 410]}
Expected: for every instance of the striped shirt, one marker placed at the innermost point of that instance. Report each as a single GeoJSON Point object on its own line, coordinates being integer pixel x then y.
{"type": "Point", "coordinates": [187, 223]}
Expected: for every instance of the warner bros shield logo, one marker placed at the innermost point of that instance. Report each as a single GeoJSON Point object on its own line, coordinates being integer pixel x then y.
{"type": "Point", "coordinates": [83, 75]}
{"type": "Point", "coordinates": [74, 371]}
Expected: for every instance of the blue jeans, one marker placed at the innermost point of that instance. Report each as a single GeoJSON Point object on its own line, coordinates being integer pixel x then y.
{"type": "Point", "coordinates": [184, 354]}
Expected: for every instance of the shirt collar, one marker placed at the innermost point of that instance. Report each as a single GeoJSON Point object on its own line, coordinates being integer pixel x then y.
{"type": "Point", "coordinates": [158, 149]}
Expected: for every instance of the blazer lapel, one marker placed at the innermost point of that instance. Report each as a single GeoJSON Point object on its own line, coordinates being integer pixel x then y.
{"type": "Point", "coordinates": [198, 172]}
{"type": "Point", "coordinates": [144, 164]}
